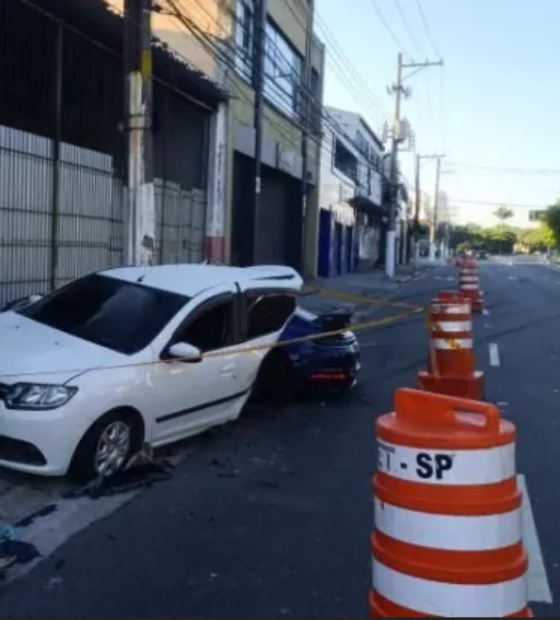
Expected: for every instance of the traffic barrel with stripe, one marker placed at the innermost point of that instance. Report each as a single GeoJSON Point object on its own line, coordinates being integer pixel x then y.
{"type": "Point", "coordinates": [451, 361]}
{"type": "Point", "coordinates": [449, 296]}
{"type": "Point", "coordinates": [448, 531]}
{"type": "Point", "coordinates": [469, 284]}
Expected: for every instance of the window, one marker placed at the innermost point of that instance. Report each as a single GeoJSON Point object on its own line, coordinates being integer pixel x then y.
{"type": "Point", "coordinates": [267, 314]}
{"type": "Point", "coordinates": [244, 38]}
{"type": "Point", "coordinates": [209, 330]}
{"type": "Point", "coordinates": [119, 315]}
{"type": "Point", "coordinates": [345, 161]}
{"type": "Point", "coordinates": [282, 68]}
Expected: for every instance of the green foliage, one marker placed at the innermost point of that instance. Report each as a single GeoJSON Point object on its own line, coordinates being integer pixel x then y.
{"type": "Point", "coordinates": [472, 237]}
{"type": "Point", "coordinates": [552, 221]}
{"type": "Point", "coordinates": [503, 214]}
{"type": "Point", "coordinates": [540, 238]}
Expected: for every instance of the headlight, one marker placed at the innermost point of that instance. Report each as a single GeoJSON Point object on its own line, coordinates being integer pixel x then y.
{"type": "Point", "coordinates": [38, 396]}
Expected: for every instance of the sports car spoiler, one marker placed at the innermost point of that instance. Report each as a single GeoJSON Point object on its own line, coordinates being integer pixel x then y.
{"type": "Point", "coordinates": [333, 321]}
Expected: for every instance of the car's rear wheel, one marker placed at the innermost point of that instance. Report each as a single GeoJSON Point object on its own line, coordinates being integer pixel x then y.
{"type": "Point", "coordinates": [275, 382]}
{"type": "Point", "coordinates": [107, 446]}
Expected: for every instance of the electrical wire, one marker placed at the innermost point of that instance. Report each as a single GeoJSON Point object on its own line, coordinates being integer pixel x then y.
{"type": "Point", "coordinates": [388, 28]}
{"type": "Point", "coordinates": [427, 28]}
{"type": "Point", "coordinates": [490, 203]}
{"type": "Point", "coordinates": [520, 171]}
{"type": "Point", "coordinates": [409, 30]}
{"type": "Point", "coordinates": [213, 47]}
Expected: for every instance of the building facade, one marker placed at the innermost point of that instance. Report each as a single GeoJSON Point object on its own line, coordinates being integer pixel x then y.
{"type": "Point", "coordinates": [284, 227]}
{"type": "Point", "coordinates": [63, 198]}
{"type": "Point", "coordinates": [352, 212]}
{"type": "Point", "coordinates": [217, 37]}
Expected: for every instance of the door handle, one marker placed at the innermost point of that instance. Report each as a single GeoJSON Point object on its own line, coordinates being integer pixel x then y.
{"type": "Point", "coordinates": [229, 369]}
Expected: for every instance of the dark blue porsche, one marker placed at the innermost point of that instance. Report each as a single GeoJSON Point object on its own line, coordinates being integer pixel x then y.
{"type": "Point", "coordinates": [322, 365]}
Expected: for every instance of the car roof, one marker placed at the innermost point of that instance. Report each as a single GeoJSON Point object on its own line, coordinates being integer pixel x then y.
{"type": "Point", "coordinates": [191, 279]}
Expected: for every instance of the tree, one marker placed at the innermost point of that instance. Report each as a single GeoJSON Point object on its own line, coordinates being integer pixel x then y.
{"type": "Point", "coordinates": [503, 214]}
{"type": "Point", "coordinates": [539, 239]}
{"type": "Point", "coordinates": [552, 220]}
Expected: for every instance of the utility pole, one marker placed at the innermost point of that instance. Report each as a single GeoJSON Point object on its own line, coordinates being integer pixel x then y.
{"type": "Point", "coordinates": [140, 229]}
{"type": "Point", "coordinates": [393, 175]}
{"type": "Point", "coordinates": [305, 111]}
{"type": "Point", "coordinates": [435, 219]}
{"type": "Point", "coordinates": [398, 89]}
{"type": "Point", "coordinates": [416, 222]}
{"type": "Point", "coordinates": [259, 33]}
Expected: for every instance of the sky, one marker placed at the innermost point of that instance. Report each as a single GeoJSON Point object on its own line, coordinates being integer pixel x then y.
{"type": "Point", "coordinates": [495, 103]}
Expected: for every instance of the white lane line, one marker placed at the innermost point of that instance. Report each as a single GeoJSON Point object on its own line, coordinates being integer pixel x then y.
{"type": "Point", "coordinates": [486, 312]}
{"type": "Point", "coordinates": [494, 354]}
{"type": "Point", "coordinates": [539, 586]}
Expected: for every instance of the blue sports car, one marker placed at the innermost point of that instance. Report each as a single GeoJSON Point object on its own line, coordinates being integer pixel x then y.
{"type": "Point", "coordinates": [323, 365]}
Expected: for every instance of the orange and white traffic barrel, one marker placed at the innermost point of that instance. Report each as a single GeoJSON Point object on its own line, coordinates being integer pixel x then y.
{"type": "Point", "coordinates": [448, 531]}
{"type": "Point", "coordinates": [451, 363]}
{"type": "Point", "coordinates": [469, 285]}
{"type": "Point", "coordinates": [449, 296]}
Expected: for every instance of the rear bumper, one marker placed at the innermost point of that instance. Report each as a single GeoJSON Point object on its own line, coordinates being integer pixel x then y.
{"type": "Point", "coordinates": [336, 372]}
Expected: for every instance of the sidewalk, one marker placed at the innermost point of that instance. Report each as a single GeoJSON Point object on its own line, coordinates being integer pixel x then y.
{"type": "Point", "coordinates": [371, 283]}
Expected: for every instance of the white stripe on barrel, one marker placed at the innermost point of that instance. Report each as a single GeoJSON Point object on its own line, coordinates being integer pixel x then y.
{"type": "Point", "coordinates": [443, 308]}
{"type": "Point", "coordinates": [447, 467]}
{"type": "Point", "coordinates": [447, 600]}
{"type": "Point", "coordinates": [452, 344]}
{"type": "Point", "coordinates": [452, 326]}
{"type": "Point", "coordinates": [469, 278]}
{"type": "Point", "coordinates": [469, 287]}
{"type": "Point", "coordinates": [449, 532]}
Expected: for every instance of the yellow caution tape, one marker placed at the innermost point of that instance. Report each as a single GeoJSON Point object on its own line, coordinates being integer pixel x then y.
{"type": "Point", "coordinates": [358, 299]}
{"type": "Point", "coordinates": [233, 350]}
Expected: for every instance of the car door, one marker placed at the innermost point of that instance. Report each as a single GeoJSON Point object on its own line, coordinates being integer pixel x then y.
{"type": "Point", "coordinates": [196, 395]}
{"type": "Point", "coordinates": [265, 312]}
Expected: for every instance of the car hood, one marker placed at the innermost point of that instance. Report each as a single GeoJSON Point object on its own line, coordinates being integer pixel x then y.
{"type": "Point", "coordinates": [30, 351]}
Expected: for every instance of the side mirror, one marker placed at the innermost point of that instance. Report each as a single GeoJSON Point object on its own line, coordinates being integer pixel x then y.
{"type": "Point", "coordinates": [185, 352]}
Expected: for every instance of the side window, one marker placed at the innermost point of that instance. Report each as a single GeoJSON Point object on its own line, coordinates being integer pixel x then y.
{"type": "Point", "coordinates": [209, 330]}
{"type": "Point", "coordinates": [267, 314]}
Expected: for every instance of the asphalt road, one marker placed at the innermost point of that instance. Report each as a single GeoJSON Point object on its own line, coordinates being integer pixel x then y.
{"type": "Point", "coordinates": [271, 516]}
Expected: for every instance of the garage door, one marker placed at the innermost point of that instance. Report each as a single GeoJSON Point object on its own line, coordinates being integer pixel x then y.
{"type": "Point", "coordinates": [278, 224]}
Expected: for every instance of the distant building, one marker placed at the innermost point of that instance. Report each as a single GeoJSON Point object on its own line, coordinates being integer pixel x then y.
{"type": "Point", "coordinates": [352, 214]}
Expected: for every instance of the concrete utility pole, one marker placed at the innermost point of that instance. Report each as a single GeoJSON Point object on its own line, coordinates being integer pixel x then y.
{"type": "Point", "coordinates": [398, 89]}
{"type": "Point", "coordinates": [435, 218]}
{"type": "Point", "coordinates": [306, 115]}
{"type": "Point", "coordinates": [416, 222]}
{"type": "Point", "coordinates": [259, 34]}
{"type": "Point", "coordinates": [140, 229]}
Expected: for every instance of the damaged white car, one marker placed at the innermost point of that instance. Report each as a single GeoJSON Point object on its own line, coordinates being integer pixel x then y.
{"type": "Point", "coordinates": [131, 356]}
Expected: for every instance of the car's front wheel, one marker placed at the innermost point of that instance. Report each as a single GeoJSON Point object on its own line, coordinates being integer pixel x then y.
{"type": "Point", "coordinates": [107, 446]}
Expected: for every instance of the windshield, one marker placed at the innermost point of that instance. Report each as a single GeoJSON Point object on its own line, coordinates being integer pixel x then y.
{"type": "Point", "coordinates": [119, 315]}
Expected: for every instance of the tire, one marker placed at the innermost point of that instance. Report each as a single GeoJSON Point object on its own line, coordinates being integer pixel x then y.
{"type": "Point", "coordinates": [275, 382]}
{"type": "Point", "coordinates": [85, 468]}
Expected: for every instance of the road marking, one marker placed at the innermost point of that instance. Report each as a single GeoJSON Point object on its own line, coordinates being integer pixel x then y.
{"type": "Point", "coordinates": [513, 278]}
{"type": "Point", "coordinates": [539, 587]}
{"type": "Point", "coordinates": [494, 354]}
{"type": "Point", "coordinates": [485, 311]}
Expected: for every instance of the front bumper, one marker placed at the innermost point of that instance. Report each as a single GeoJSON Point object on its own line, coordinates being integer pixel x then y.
{"type": "Point", "coordinates": [40, 442]}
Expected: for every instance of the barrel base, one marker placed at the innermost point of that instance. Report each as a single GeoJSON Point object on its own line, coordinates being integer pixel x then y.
{"type": "Point", "coordinates": [471, 387]}
{"type": "Point", "coordinates": [380, 607]}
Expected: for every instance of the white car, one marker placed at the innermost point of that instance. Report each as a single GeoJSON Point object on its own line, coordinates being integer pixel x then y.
{"type": "Point", "coordinates": [132, 356]}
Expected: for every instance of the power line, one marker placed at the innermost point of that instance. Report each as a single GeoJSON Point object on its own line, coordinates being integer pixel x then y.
{"type": "Point", "coordinates": [388, 28]}
{"type": "Point", "coordinates": [503, 203]}
{"type": "Point", "coordinates": [326, 117]}
{"type": "Point", "coordinates": [427, 28]}
{"type": "Point", "coordinates": [409, 29]}
{"type": "Point", "coordinates": [543, 171]}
